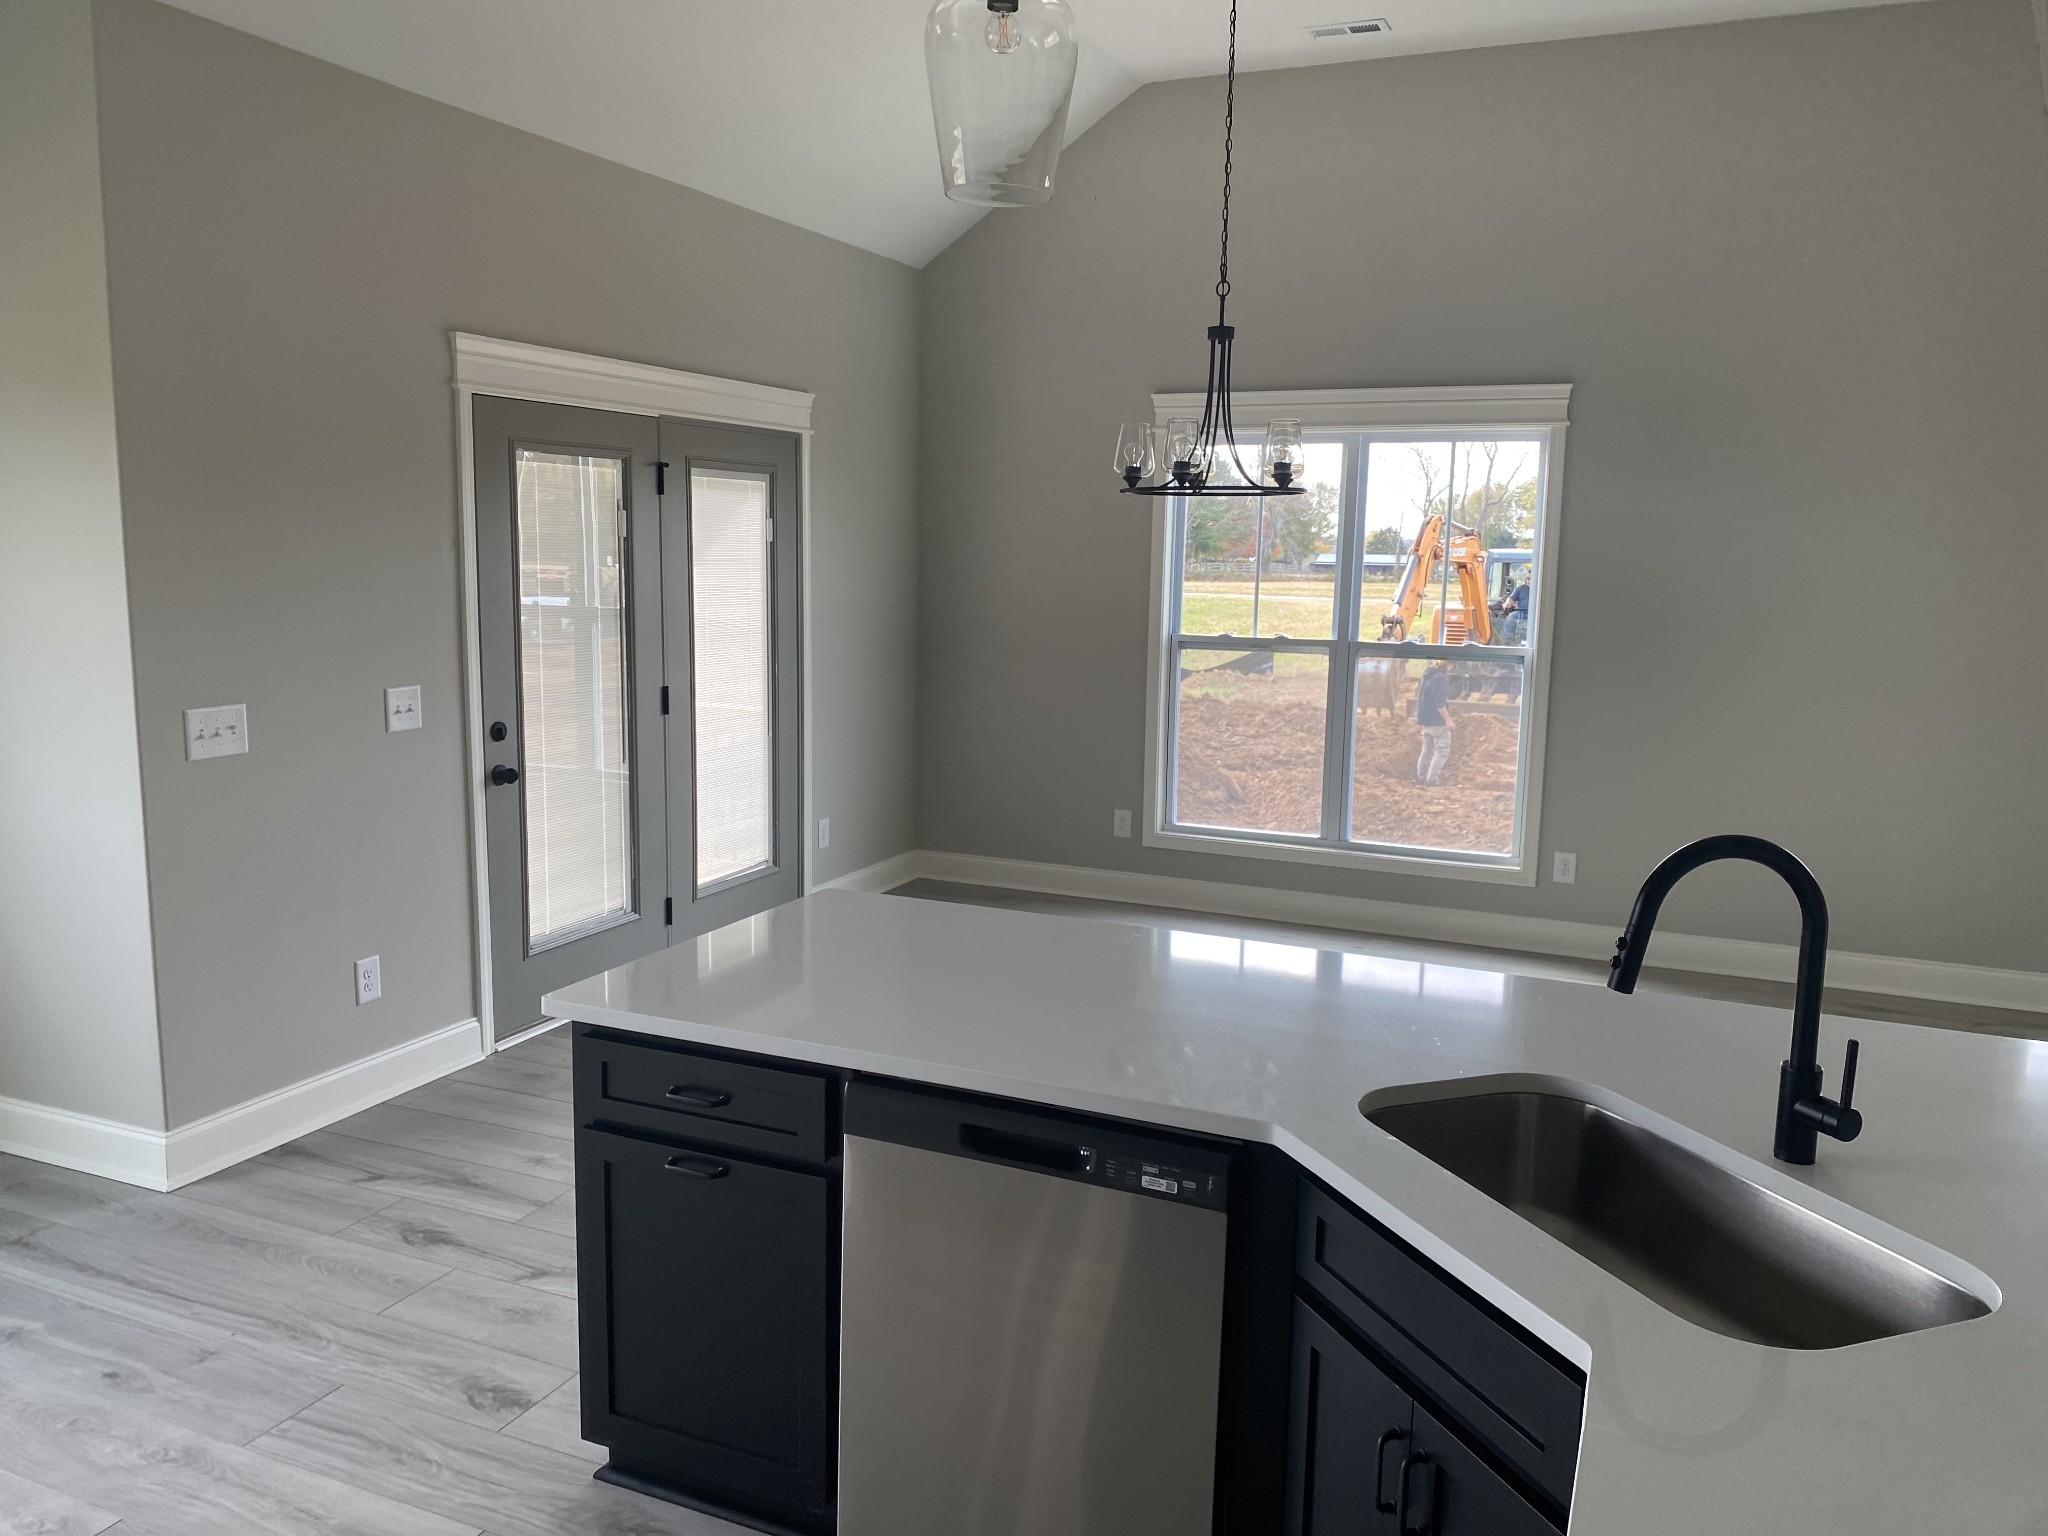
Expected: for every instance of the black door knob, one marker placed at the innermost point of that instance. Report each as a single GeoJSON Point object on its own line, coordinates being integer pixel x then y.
{"type": "Point", "coordinates": [503, 775]}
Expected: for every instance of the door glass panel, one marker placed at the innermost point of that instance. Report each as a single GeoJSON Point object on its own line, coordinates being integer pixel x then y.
{"type": "Point", "coordinates": [574, 714]}
{"type": "Point", "coordinates": [732, 630]}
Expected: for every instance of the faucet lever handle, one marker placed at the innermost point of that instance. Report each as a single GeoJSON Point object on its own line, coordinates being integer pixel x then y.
{"type": "Point", "coordinates": [1849, 1074]}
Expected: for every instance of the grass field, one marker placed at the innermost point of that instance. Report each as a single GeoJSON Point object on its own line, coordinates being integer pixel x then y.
{"type": "Point", "coordinates": [1303, 607]}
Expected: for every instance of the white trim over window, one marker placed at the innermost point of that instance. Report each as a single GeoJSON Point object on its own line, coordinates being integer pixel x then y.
{"type": "Point", "coordinates": [519, 370]}
{"type": "Point", "coordinates": [1529, 412]}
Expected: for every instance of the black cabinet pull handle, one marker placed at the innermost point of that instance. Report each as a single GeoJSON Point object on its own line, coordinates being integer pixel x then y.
{"type": "Point", "coordinates": [1428, 1523]}
{"type": "Point", "coordinates": [1380, 1501]}
{"type": "Point", "coordinates": [696, 1167]}
{"type": "Point", "coordinates": [703, 1098]}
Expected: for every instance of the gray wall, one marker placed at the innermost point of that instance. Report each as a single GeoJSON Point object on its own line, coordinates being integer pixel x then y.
{"type": "Point", "coordinates": [78, 1006]}
{"type": "Point", "coordinates": [289, 246]}
{"type": "Point", "coordinates": [1798, 273]}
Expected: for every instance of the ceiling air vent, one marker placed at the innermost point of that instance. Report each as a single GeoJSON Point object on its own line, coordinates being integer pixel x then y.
{"type": "Point", "coordinates": [1350, 28]}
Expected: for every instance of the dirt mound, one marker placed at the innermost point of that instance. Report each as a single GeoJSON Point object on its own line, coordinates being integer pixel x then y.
{"type": "Point", "coordinates": [1252, 760]}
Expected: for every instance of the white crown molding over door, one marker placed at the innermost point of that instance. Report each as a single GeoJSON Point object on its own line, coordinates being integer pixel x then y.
{"type": "Point", "coordinates": [520, 370]}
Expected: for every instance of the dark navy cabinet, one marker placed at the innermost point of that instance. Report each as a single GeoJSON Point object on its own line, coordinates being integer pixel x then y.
{"type": "Point", "coordinates": [1417, 1409]}
{"type": "Point", "coordinates": [707, 1281]}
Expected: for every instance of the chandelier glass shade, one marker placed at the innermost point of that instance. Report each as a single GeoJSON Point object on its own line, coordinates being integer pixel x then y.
{"type": "Point", "coordinates": [1201, 456]}
{"type": "Point", "coordinates": [1002, 76]}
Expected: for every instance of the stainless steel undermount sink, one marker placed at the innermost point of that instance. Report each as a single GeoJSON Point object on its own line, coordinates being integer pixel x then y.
{"type": "Point", "coordinates": [1700, 1239]}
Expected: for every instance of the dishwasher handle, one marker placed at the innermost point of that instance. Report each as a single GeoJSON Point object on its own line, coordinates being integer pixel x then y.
{"type": "Point", "coordinates": [1031, 1151]}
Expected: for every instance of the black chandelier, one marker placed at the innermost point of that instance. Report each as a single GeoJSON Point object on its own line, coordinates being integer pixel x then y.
{"type": "Point", "coordinates": [1197, 450]}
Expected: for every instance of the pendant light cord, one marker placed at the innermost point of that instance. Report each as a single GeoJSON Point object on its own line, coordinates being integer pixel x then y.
{"type": "Point", "coordinates": [1229, 121]}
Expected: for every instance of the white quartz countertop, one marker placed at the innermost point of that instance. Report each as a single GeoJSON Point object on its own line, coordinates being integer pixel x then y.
{"type": "Point", "coordinates": [1687, 1431]}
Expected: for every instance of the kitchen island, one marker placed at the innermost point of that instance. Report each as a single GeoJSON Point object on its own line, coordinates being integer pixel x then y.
{"type": "Point", "coordinates": [1685, 1430]}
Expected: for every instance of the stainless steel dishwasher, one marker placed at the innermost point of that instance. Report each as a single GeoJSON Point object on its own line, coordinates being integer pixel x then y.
{"type": "Point", "coordinates": [1031, 1323]}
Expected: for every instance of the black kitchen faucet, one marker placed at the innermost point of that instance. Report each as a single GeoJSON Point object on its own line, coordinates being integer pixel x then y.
{"type": "Point", "coordinates": [1804, 1113]}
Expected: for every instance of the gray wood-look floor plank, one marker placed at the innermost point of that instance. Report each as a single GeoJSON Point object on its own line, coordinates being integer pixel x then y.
{"type": "Point", "coordinates": [218, 1385]}
{"type": "Point", "coordinates": [456, 1240]}
{"type": "Point", "coordinates": [167, 1357]}
{"type": "Point", "coordinates": [556, 1421]}
{"type": "Point", "coordinates": [470, 1476]}
{"type": "Point", "coordinates": [497, 1312]}
{"type": "Point", "coordinates": [57, 1194]}
{"type": "Point", "coordinates": [288, 1195]}
{"type": "Point", "coordinates": [558, 1215]}
{"type": "Point", "coordinates": [186, 1484]}
{"type": "Point", "coordinates": [471, 1141]}
{"type": "Point", "coordinates": [413, 1175]}
{"type": "Point", "coordinates": [516, 1072]}
{"type": "Point", "coordinates": [466, 1100]}
{"type": "Point", "coordinates": [334, 1342]}
{"type": "Point", "coordinates": [30, 1509]}
{"type": "Point", "coordinates": [238, 1249]}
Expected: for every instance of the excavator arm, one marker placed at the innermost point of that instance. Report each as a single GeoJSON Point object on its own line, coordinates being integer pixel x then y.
{"type": "Point", "coordinates": [1466, 617]}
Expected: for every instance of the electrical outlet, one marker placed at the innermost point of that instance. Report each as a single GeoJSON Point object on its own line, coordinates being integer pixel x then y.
{"type": "Point", "coordinates": [1564, 868]}
{"type": "Point", "coordinates": [1120, 823]}
{"type": "Point", "coordinates": [824, 831]}
{"type": "Point", "coordinates": [402, 708]}
{"type": "Point", "coordinates": [221, 731]}
{"type": "Point", "coordinates": [369, 980]}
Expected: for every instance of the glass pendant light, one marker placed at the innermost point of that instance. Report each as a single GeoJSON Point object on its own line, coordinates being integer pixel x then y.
{"type": "Point", "coordinates": [1002, 75]}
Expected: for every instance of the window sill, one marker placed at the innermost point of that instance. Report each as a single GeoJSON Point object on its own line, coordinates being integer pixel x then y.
{"type": "Point", "coordinates": [1432, 866]}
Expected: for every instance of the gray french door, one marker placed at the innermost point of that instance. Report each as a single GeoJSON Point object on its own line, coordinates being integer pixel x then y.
{"type": "Point", "coordinates": [729, 528]}
{"type": "Point", "coordinates": [569, 589]}
{"type": "Point", "coordinates": [638, 603]}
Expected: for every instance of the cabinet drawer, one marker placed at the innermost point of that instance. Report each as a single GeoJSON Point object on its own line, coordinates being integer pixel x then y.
{"type": "Point", "coordinates": [1506, 1389]}
{"type": "Point", "coordinates": [674, 1091]}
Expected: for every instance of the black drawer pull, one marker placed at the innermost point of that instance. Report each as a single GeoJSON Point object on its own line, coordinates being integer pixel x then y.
{"type": "Point", "coordinates": [702, 1098]}
{"type": "Point", "coordinates": [1406, 1522]}
{"type": "Point", "coordinates": [1380, 1501]}
{"type": "Point", "coordinates": [702, 1168]}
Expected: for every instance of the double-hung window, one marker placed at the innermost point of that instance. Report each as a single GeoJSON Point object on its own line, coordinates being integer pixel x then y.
{"type": "Point", "coordinates": [1357, 675]}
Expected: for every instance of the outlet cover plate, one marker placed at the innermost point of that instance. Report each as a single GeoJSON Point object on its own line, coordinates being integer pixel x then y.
{"type": "Point", "coordinates": [1120, 823]}
{"type": "Point", "coordinates": [402, 708]}
{"type": "Point", "coordinates": [221, 730]}
{"type": "Point", "coordinates": [369, 980]}
{"type": "Point", "coordinates": [1564, 868]}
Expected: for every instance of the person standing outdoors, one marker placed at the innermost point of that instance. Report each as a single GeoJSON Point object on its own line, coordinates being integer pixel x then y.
{"type": "Point", "coordinates": [1433, 714]}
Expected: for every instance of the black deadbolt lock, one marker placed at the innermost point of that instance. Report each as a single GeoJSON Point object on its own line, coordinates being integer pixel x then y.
{"type": "Point", "coordinates": [497, 730]}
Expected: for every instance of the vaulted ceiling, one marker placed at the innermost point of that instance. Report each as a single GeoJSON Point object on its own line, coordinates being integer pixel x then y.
{"type": "Point", "coordinates": [814, 111]}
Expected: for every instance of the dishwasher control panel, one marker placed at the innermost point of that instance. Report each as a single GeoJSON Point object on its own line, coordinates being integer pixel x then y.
{"type": "Point", "coordinates": [1162, 1179]}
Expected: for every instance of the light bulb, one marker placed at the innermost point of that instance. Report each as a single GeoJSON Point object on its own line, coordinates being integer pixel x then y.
{"type": "Point", "coordinates": [1134, 452]}
{"type": "Point", "coordinates": [1283, 449]}
{"type": "Point", "coordinates": [1004, 35]}
{"type": "Point", "coordinates": [1181, 435]}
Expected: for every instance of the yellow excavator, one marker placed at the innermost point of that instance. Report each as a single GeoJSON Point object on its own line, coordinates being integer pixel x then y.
{"type": "Point", "coordinates": [1463, 618]}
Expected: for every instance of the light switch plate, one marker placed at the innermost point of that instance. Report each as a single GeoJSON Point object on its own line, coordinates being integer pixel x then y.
{"type": "Point", "coordinates": [219, 731]}
{"type": "Point", "coordinates": [402, 708]}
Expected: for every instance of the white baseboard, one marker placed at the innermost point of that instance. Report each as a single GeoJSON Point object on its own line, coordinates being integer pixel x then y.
{"type": "Point", "coordinates": [165, 1160]}
{"type": "Point", "coordinates": [1933, 980]}
{"type": "Point", "coordinates": [889, 873]}
{"type": "Point", "coordinates": [206, 1146]}
{"type": "Point", "coordinates": [85, 1142]}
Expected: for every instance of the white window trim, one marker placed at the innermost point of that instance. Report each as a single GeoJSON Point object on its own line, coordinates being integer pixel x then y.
{"type": "Point", "coordinates": [1526, 407]}
{"type": "Point", "coordinates": [518, 370]}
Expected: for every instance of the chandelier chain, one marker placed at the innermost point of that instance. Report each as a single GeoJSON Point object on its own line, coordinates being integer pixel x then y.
{"type": "Point", "coordinates": [1229, 123]}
